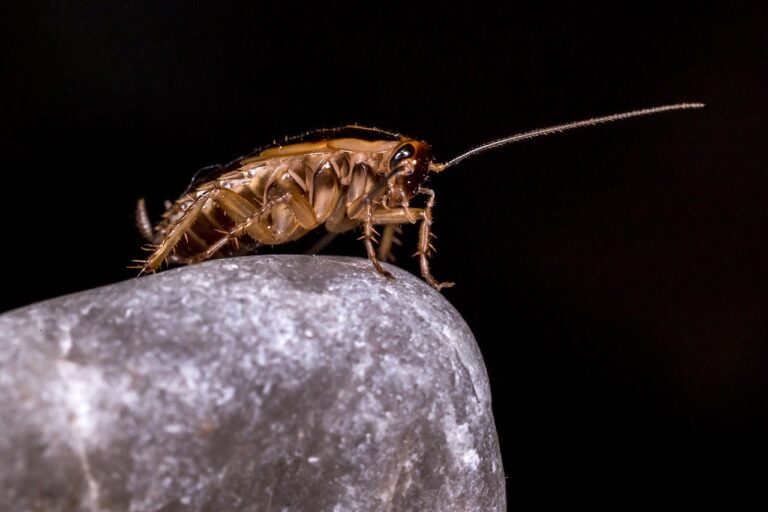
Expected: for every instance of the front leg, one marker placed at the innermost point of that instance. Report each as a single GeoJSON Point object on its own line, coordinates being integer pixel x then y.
{"type": "Point", "coordinates": [388, 238]}
{"type": "Point", "coordinates": [143, 224]}
{"type": "Point", "coordinates": [409, 215]}
{"type": "Point", "coordinates": [176, 231]}
{"type": "Point", "coordinates": [368, 236]}
{"type": "Point", "coordinates": [246, 225]}
{"type": "Point", "coordinates": [425, 245]}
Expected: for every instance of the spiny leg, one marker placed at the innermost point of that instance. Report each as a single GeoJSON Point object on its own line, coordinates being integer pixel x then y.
{"type": "Point", "coordinates": [397, 216]}
{"type": "Point", "coordinates": [177, 230]}
{"type": "Point", "coordinates": [233, 204]}
{"type": "Point", "coordinates": [248, 217]}
{"type": "Point", "coordinates": [425, 245]}
{"type": "Point", "coordinates": [387, 239]}
{"type": "Point", "coordinates": [368, 235]}
{"type": "Point", "coordinates": [403, 203]}
{"type": "Point", "coordinates": [401, 216]}
{"type": "Point", "coordinates": [239, 230]}
{"type": "Point", "coordinates": [389, 218]}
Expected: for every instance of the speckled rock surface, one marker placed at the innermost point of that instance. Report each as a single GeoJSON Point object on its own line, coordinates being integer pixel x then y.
{"type": "Point", "coordinates": [292, 383]}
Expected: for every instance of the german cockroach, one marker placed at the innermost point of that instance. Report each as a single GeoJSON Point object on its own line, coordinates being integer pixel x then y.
{"type": "Point", "coordinates": [338, 178]}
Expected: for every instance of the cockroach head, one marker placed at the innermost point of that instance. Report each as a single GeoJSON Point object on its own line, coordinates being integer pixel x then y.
{"type": "Point", "coordinates": [410, 164]}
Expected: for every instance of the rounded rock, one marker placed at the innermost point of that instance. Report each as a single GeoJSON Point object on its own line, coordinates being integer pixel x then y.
{"type": "Point", "coordinates": [247, 384]}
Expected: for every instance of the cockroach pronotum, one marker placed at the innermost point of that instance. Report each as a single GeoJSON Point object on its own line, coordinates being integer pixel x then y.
{"type": "Point", "coordinates": [340, 178]}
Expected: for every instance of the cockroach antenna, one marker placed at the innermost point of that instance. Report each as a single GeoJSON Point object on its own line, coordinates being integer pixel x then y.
{"type": "Point", "coordinates": [437, 167]}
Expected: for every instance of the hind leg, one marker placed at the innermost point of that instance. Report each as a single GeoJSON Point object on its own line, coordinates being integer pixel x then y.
{"type": "Point", "coordinates": [388, 239]}
{"type": "Point", "coordinates": [177, 230]}
{"type": "Point", "coordinates": [248, 225]}
{"type": "Point", "coordinates": [412, 215]}
{"type": "Point", "coordinates": [234, 205]}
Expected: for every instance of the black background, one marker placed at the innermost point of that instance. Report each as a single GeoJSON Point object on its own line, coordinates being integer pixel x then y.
{"type": "Point", "coordinates": [615, 277]}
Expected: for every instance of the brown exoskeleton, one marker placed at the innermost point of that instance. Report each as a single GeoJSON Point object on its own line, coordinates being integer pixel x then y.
{"type": "Point", "coordinates": [340, 178]}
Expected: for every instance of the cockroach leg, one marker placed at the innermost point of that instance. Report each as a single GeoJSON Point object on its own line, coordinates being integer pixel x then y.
{"type": "Point", "coordinates": [385, 246]}
{"type": "Point", "coordinates": [425, 245]}
{"type": "Point", "coordinates": [240, 229]}
{"type": "Point", "coordinates": [143, 224]}
{"type": "Point", "coordinates": [176, 231]}
{"type": "Point", "coordinates": [402, 216]}
{"type": "Point", "coordinates": [404, 205]}
{"type": "Point", "coordinates": [397, 216]}
{"type": "Point", "coordinates": [368, 235]}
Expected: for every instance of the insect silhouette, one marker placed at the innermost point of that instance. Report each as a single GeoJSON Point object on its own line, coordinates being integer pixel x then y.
{"type": "Point", "coordinates": [338, 178]}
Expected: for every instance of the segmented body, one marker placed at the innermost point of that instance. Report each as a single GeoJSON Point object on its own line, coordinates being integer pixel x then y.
{"type": "Point", "coordinates": [340, 179]}
{"type": "Point", "coordinates": [279, 194]}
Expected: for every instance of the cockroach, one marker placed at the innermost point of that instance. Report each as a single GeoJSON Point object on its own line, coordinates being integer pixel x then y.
{"type": "Point", "coordinates": [339, 178]}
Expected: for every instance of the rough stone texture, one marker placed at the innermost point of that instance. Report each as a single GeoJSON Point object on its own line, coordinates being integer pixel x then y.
{"type": "Point", "coordinates": [262, 383]}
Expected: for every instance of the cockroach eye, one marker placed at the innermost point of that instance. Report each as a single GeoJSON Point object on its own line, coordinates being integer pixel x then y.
{"type": "Point", "coordinates": [405, 152]}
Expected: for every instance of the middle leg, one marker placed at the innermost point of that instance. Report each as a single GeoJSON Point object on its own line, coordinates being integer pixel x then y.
{"type": "Point", "coordinates": [248, 224]}
{"type": "Point", "coordinates": [388, 238]}
{"type": "Point", "coordinates": [369, 234]}
{"type": "Point", "coordinates": [409, 215]}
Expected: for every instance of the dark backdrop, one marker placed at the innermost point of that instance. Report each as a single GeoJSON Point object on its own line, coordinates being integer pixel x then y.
{"type": "Point", "coordinates": [615, 277]}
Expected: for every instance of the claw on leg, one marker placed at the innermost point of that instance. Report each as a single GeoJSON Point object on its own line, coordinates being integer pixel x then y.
{"type": "Point", "coordinates": [179, 229]}
{"type": "Point", "coordinates": [425, 247]}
